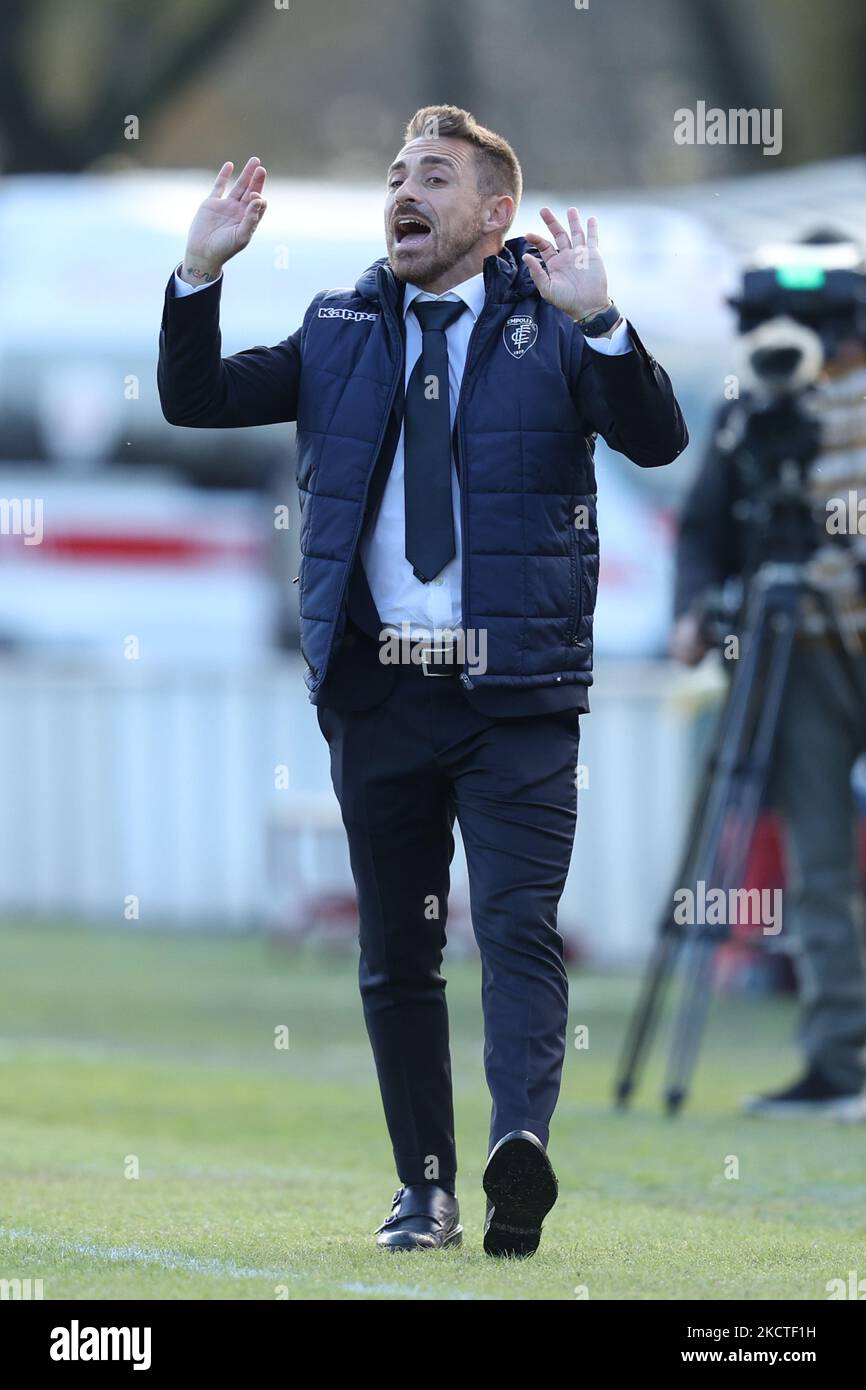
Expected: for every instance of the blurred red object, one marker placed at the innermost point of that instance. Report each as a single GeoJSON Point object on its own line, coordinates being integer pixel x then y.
{"type": "Point", "coordinates": [744, 964]}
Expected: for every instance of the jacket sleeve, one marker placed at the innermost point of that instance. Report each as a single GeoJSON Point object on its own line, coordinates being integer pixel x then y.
{"type": "Point", "coordinates": [199, 387]}
{"type": "Point", "coordinates": [628, 399]}
{"type": "Point", "coordinates": [707, 551]}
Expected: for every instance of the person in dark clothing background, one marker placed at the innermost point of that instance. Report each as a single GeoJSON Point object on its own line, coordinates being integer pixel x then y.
{"type": "Point", "coordinates": [447, 408]}
{"type": "Point", "coordinates": [822, 728]}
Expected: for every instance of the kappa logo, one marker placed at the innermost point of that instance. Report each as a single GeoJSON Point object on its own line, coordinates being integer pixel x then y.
{"type": "Point", "coordinates": [352, 315]}
{"type": "Point", "coordinates": [519, 334]}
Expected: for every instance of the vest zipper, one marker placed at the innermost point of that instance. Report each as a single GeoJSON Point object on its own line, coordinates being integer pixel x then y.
{"type": "Point", "coordinates": [577, 572]}
{"type": "Point", "coordinates": [465, 680]}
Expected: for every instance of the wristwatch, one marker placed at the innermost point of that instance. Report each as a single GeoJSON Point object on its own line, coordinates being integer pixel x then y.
{"type": "Point", "coordinates": [603, 322]}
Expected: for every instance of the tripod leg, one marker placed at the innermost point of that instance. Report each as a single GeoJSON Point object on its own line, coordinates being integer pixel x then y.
{"type": "Point", "coordinates": [752, 782]}
{"type": "Point", "coordinates": [691, 1018]}
{"type": "Point", "coordinates": [646, 1014]}
{"type": "Point", "coordinates": [663, 957]}
{"type": "Point", "coordinates": [748, 767]}
{"type": "Point", "coordinates": [705, 823]}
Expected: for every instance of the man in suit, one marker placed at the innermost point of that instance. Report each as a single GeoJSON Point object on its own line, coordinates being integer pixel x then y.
{"type": "Point", "coordinates": [447, 407]}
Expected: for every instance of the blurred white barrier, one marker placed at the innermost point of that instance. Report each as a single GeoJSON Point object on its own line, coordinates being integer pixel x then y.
{"type": "Point", "coordinates": [176, 798]}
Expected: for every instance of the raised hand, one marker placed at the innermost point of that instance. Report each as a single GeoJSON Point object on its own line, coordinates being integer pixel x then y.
{"type": "Point", "coordinates": [573, 276]}
{"type": "Point", "coordinates": [225, 222]}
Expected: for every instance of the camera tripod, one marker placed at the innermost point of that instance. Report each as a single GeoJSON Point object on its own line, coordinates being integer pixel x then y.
{"type": "Point", "coordinates": [732, 787]}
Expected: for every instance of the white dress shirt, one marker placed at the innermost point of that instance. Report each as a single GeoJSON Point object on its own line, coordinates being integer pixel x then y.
{"type": "Point", "coordinates": [400, 597]}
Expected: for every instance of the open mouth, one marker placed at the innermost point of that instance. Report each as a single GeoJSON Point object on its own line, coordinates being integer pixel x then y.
{"type": "Point", "coordinates": [411, 231]}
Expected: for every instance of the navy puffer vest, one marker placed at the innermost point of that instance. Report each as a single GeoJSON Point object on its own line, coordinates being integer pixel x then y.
{"type": "Point", "coordinates": [524, 454]}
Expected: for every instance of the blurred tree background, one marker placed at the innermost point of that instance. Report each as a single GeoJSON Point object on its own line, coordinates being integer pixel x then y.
{"type": "Point", "coordinates": [323, 88]}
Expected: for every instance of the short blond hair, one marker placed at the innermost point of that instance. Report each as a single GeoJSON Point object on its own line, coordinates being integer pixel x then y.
{"type": "Point", "coordinates": [498, 166]}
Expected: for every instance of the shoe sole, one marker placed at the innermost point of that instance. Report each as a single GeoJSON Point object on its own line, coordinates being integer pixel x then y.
{"type": "Point", "coordinates": [799, 1109]}
{"type": "Point", "coordinates": [853, 1114]}
{"type": "Point", "coordinates": [454, 1237]}
{"type": "Point", "coordinates": [521, 1187]}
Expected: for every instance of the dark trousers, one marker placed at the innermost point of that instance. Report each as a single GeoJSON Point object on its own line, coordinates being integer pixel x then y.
{"type": "Point", "coordinates": [821, 735]}
{"type": "Point", "coordinates": [402, 771]}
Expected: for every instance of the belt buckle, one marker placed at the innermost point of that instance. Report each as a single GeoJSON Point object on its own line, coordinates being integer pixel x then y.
{"type": "Point", "coordinates": [426, 655]}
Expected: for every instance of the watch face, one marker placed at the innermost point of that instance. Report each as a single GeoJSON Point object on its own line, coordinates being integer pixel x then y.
{"type": "Point", "coordinates": [602, 322]}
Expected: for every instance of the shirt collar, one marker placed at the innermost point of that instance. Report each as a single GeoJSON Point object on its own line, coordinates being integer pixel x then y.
{"type": "Point", "coordinates": [471, 291]}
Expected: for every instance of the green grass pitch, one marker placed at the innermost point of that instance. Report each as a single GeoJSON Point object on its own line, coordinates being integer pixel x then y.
{"type": "Point", "coordinates": [263, 1171]}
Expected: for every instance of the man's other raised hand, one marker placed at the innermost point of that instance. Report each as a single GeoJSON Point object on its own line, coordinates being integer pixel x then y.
{"type": "Point", "coordinates": [225, 222]}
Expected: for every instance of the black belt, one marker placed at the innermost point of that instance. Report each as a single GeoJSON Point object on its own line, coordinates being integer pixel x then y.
{"type": "Point", "coordinates": [435, 659]}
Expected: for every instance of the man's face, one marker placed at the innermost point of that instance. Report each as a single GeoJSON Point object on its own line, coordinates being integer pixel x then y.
{"type": "Point", "coordinates": [434, 213]}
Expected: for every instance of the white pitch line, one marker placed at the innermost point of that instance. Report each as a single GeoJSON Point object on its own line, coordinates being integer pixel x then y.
{"type": "Point", "coordinates": [196, 1264]}
{"type": "Point", "coordinates": [412, 1291]}
{"type": "Point", "coordinates": [138, 1254]}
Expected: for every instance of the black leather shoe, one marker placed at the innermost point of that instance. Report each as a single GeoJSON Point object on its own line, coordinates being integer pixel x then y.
{"type": "Point", "coordinates": [423, 1217]}
{"type": "Point", "coordinates": [521, 1188]}
{"type": "Point", "coordinates": [813, 1094]}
